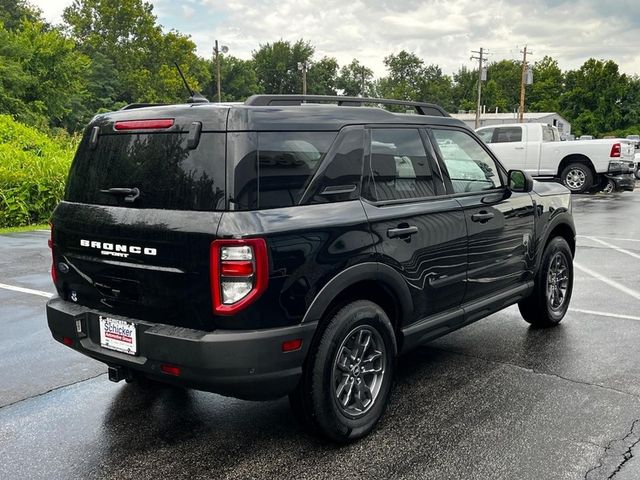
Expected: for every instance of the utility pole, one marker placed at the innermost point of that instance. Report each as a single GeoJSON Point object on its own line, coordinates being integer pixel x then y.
{"type": "Point", "coordinates": [302, 66]}
{"type": "Point", "coordinates": [362, 81]}
{"type": "Point", "coordinates": [480, 59]}
{"type": "Point", "coordinates": [216, 52]}
{"type": "Point", "coordinates": [523, 83]}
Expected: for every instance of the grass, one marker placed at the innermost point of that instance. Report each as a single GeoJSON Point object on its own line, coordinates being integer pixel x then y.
{"type": "Point", "coordinates": [33, 171]}
{"type": "Point", "coordinates": [27, 228]}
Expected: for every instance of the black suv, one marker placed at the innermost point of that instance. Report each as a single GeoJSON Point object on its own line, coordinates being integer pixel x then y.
{"type": "Point", "coordinates": [291, 246]}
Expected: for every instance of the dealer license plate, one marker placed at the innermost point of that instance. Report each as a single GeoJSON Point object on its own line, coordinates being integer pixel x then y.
{"type": "Point", "coordinates": [118, 335]}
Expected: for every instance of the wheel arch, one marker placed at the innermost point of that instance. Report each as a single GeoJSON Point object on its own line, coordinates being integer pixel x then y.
{"type": "Point", "coordinates": [560, 227]}
{"type": "Point", "coordinates": [372, 281]}
{"type": "Point", "coordinates": [576, 158]}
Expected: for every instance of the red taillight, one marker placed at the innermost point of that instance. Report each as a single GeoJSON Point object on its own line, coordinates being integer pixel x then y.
{"type": "Point", "coordinates": [170, 369]}
{"type": "Point", "coordinates": [616, 150]}
{"type": "Point", "coordinates": [239, 273]}
{"type": "Point", "coordinates": [68, 341]}
{"type": "Point", "coordinates": [54, 272]}
{"type": "Point", "coordinates": [236, 269]}
{"type": "Point", "coordinates": [292, 345]}
{"type": "Point", "coordinates": [156, 124]}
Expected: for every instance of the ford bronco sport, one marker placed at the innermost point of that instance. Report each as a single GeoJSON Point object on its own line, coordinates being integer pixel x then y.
{"type": "Point", "coordinates": [295, 245]}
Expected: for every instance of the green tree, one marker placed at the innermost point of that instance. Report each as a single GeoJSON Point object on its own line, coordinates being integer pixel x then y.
{"type": "Point", "coordinates": [593, 97]}
{"type": "Point", "coordinates": [276, 65]}
{"type": "Point", "coordinates": [355, 79]}
{"type": "Point", "coordinates": [437, 87]}
{"type": "Point", "coordinates": [14, 12]}
{"type": "Point", "coordinates": [631, 106]}
{"type": "Point", "coordinates": [464, 88]}
{"type": "Point", "coordinates": [502, 88]}
{"type": "Point", "coordinates": [544, 94]}
{"type": "Point", "coordinates": [42, 75]}
{"type": "Point", "coordinates": [410, 79]}
{"type": "Point", "coordinates": [404, 80]}
{"type": "Point", "coordinates": [322, 77]}
{"type": "Point", "coordinates": [125, 35]}
{"type": "Point", "coordinates": [238, 79]}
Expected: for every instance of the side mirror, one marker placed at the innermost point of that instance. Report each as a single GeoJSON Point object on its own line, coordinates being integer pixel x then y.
{"type": "Point", "coordinates": [520, 181]}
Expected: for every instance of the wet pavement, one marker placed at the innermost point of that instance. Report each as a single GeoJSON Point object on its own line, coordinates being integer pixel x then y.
{"type": "Point", "coordinates": [497, 399]}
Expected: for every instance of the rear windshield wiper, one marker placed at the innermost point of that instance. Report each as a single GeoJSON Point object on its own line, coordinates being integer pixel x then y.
{"type": "Point", "coordinates": [130, 194]}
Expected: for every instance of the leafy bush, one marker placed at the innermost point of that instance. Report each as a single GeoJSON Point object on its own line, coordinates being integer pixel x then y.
{"type": "Point", "coordinates": [33, 171]}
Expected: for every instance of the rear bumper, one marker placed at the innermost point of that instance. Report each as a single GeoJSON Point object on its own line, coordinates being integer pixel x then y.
{"type": "Point", "coordinates": [626, 182]}
{"type": "Point", "coordinates": [242, 364]}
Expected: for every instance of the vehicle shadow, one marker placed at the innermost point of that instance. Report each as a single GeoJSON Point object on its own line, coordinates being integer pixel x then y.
{"type": "Point", "coordinates": [201, 435]}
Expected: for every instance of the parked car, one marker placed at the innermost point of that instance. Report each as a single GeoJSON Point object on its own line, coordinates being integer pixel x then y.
{"type": "Point", "coordinates": [636, 141]}
{"type": "Point", "coordinates": [586, 137]}
{"type": "Point", "coordinates": [279, 248]}
{"type": "Point", "coordinates": [579, 165]}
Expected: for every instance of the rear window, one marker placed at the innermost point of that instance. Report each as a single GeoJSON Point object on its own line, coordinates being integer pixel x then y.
{"type": "Point", "coordinates": [273, 169]}
{"type": "Point", "coordinates": [506, 135]}
{"type": "Point", "coordinates": [167, 173]}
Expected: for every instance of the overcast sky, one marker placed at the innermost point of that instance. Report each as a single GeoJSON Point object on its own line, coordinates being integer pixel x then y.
{"type": "Point", "coordinates": [441, 32]}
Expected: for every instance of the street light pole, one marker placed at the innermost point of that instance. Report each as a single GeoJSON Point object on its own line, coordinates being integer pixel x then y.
{"type": "Point", "coordinates": [216, 51]}
{"type": "Point", "coordinates": [302, 66]}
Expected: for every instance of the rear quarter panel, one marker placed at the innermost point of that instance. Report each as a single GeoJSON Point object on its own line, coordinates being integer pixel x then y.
{"type": "Point", "coordinates": [598, 151]}
{"type": "Point", "coordinates": [307, 246]}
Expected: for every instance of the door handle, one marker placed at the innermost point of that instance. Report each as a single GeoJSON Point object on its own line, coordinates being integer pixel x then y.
{"type": "Point", "coordinates": [518, 148]}
{"type": "Point", "coordinates": [482, 216]}
{"type": "Point", "coordinates": [402, 232]}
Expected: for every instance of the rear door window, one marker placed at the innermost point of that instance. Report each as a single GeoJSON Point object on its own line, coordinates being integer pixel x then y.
{"type": "Point", "coordinates": [398, 167]}
{"type": "Point", "coordinates": [506, 135]}
{"type": "Point", "coordinates": [273, 169]}
{"type": "Point", "coordinates": [168, 174]}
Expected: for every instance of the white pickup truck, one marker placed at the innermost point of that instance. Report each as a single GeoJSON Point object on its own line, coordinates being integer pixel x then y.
{"type": "Point", "coordinates": [580, 165]}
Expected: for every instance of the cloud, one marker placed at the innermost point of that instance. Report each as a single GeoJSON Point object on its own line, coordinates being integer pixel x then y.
{"type": "Point", "coordinates": [440, 31]}
{"type": "Point", "coordinates": [188, 12]}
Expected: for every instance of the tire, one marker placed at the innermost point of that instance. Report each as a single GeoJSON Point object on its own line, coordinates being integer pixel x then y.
{"type": "Point", "coordinates": [329, 397]}
{"type": "Point", "coordinates": [549, 302]}
{"type": "Point", "coordinates": [609, 186]}
{"type": "Point", "coordinates": [577, 177]}
{"type": "Point", "coordinates": [637, 173]}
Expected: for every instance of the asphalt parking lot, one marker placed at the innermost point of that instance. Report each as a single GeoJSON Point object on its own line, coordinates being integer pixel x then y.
{"type": "Point", "coordinates": [497, 399]}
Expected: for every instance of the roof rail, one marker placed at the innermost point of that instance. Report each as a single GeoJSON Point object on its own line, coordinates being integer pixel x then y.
{"type": "Point", "coordinates": [132, 106]}
{"type": "Point", "coordinates": [420, 107]}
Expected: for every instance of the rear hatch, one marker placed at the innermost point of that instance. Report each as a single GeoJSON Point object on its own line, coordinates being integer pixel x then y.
{"type": "Point", "coordinates": [144, 198]}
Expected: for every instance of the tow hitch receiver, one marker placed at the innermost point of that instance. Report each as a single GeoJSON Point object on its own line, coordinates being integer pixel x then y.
{"type": "Point", "coordinates": [117, 373]}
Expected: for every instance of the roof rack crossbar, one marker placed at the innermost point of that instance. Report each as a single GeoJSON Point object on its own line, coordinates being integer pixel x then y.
{"type": "Point", "coordinates": [421, 108]}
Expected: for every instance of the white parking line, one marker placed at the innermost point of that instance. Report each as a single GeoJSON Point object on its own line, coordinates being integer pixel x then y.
{"type": "Point", "coordinates": [613, 247]}
{"type": "Point", "coordinates": [604, 314]}
{"type": "Point", "coordinates": [614, 238]}
{"type": "Point", "coordinates": [26, 290]}
{"type": "Point", "coordinates": [635, 294]}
